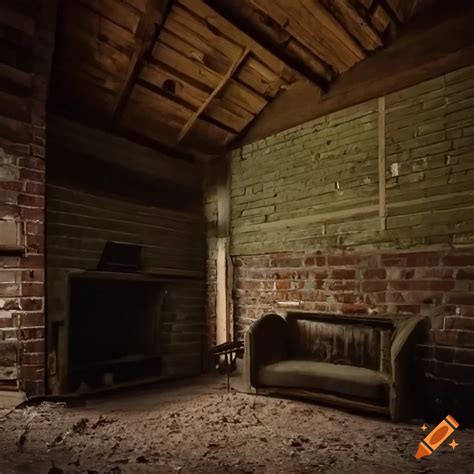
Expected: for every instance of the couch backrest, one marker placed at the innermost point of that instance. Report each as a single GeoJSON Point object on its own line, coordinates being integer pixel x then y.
{"type": "Point", "coordinates": [341, 340]}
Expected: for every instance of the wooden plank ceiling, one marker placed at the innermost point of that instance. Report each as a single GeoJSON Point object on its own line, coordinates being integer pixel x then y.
{"type": "Point", "coordinates": [194, 74]}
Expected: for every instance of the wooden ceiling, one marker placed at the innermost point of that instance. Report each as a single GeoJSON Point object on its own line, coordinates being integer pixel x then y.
{"type": "Point", "coordinates": [194, 74]}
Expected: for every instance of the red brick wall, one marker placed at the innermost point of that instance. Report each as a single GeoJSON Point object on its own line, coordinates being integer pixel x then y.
{"type": "Point", "coordinates": [27, 43]}
{"type": "Point", "coordinates": [436, 284]}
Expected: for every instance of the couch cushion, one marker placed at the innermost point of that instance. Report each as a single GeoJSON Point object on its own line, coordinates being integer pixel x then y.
{"type": "Point", "coordinates": [342, 379]}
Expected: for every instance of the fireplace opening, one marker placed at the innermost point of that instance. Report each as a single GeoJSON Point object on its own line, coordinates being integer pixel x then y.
{"type": "Point", "coordinates": [114, 330]}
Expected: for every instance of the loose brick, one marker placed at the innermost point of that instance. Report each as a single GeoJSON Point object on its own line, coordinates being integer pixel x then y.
{"type": "Point", "coordinates": [32, 214]}
{"type": "Point", "coordinates": [283, 285]}
{"type": "Point", "coordinates": [34, 345]}
{"type": "Point", "coordinates": [32, 275]}
{"type": "Point", "coordinates": [33, 262]}
{"type": "Point", "coordinates": [34, 188]}
{"type": "Point", "coordinates": [30, 304]}
{"type": "Point", "coordinates": [32, 289]}
{"type": "Point", "coordinates": [30, 200]}
{"type": "Point", "coordinates": [373, 286]}
{"type": "Point", "coordinates": [32, 163]}
{"type": "Point", "coordinates": [28, 320]}
{"type": "Point", "coordinates": [32, 333]}
{"type": "Point", "coordinates": [343, 274]}
{"type": "Point", "coordinates": [32, 175]}
{"type": "Point", "coordinates": [16, 186]}
{"type": "Point", "coordinates": [375, 274]}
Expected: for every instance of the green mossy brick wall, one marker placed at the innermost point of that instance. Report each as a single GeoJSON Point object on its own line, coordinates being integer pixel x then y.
{"type": "Point", "coordinates": [306, 224]}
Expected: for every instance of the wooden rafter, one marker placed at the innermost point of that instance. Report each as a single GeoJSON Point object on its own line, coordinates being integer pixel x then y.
{"type": "Point", "coordinates": [227, 28]}
{"type": "Point", "coordinates": [287, 44]}
{"type": "Point", "coordinates": [220, 86]}
{"type": "Point", "coordinates": [146, 36]}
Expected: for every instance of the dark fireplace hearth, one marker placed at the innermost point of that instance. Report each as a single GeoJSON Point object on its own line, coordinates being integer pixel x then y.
{"type": "Point", "coordinates": [114, 329]}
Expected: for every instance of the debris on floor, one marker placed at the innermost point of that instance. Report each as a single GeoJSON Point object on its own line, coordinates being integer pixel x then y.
{"type": "Point", "coordinates": [201, 428]}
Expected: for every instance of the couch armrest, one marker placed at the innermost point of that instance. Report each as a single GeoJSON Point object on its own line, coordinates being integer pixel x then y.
{"type": "Point", "coordinates": [402, 352]}
{"type": "Point", "coordinates": [266, 341]}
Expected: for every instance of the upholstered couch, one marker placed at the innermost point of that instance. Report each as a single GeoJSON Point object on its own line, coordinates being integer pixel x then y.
{"type": "Point", "coordinates": [355, 361]}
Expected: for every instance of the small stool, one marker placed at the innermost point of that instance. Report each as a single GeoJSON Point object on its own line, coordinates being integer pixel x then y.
{"type": "Point", "coordinates": [230, 350]}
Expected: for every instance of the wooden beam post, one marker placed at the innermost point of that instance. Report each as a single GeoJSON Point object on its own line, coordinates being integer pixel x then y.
{"type": "Point", "coordinates": [381, 162]}
{"type": "Point", "coordinates": [225, 79]}
{"type": "Point", "coordinates": [224, 332]}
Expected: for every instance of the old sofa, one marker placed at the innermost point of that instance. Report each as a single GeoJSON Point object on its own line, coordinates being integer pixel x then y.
{"type": "Point", "coordinates": [356, 361]}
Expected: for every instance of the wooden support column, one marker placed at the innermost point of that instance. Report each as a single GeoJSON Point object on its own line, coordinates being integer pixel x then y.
{"type": "Point", "coordinates": [224, 326]}
{"type": "Point", "coordinates": [381, 161]}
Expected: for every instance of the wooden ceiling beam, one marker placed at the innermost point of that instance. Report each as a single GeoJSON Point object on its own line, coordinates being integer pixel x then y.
{"type": "Point", "coordinates": [147, 34]}
{"type": "Point", "coordinates": [426, 49]}
{"type": "Point", "coordinates": [244, 25]}
{"type": "Point", "coordinates": [213, 94]}
{"type": "Point", "coordinates": [214, 15]}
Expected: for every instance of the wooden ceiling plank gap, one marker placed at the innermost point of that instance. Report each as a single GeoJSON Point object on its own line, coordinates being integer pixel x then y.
{"type": "Point", "coordinates": [216, 91]}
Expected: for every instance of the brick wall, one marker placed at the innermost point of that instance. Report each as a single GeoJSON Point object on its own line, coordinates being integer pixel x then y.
{"type": "Point", "coordinates": [26, 47]}
{"type": "Point", "coordinates": [437, 284]}
{"type": "Point", "coordinates": [370, 209]}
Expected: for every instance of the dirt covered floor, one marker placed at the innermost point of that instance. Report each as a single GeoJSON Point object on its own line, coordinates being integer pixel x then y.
{"type": "Point", "coordinates": [198, 427]}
